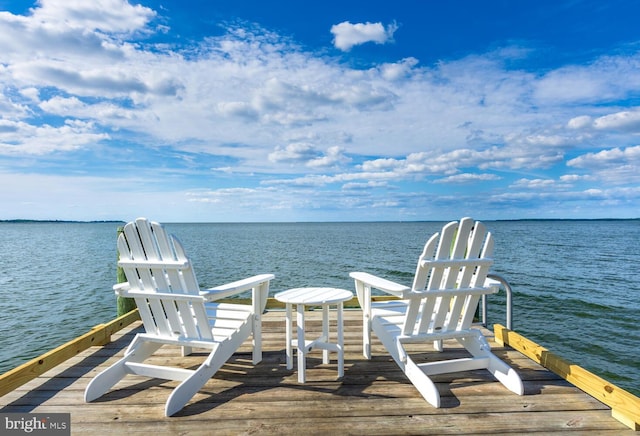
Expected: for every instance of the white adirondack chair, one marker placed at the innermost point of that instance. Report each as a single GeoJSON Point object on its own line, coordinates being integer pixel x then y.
{"type": "Point", "coordinates": [175, 311]}
{"type": "Point", "coordinates": [449, 281]}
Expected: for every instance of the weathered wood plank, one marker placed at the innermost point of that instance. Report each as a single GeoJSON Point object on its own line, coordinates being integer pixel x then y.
{"type": "Point", "coordinates": [146, 419]}
{"type": "Point", "coordinates": [374, 396]}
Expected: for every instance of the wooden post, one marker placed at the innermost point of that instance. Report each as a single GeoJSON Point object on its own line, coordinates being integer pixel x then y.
{"type": "Point", "coordinates": [125, 305]}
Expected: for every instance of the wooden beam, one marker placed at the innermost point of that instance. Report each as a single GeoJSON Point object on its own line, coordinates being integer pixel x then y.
{"type": "Point", "coordinates": [99, 335]}
{"type": "Point", "coordinates": [625, 407]}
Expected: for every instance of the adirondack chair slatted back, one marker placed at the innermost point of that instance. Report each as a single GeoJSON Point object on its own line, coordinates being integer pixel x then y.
{"type": "Point", "coordinates": [449, 279]}
{"type": "Point", "coordinates": [163, 282]}
{"type": "Point", "coordinates": [153, 260]}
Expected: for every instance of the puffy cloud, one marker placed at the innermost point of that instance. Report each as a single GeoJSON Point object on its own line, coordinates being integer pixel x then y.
{"type": "Point", "coordinates": [76, 30]}
{"type": "Point", "coordinates": [293, 153]}
{"type": "Point", "coordinates": [605, 79]}
{"type": "Point", "coordinates": [309, 155]}
{"type": "Point", "coordinates": [625, 120]}
{"type": "Point", "coordinates": [580, 122]}
{"type": "Point", "coordinates": [617, 166]}
{"type": "Point", "coordinates": [468, 178]}
{"type": "Point", "coordinates": [334, 156]}
{"type": "Point", "coordinates": [398, 70]}
{"type": "Point", "coordinates": [346, 35]}
{"type": "Point", "coordinates": [572, 178]}
{"type": "Point", "coordinates": [20, 138]}
{"type": "Point", "coordinates": [364, 185]}
{"type": "Point", "coordinates": [62, 105]}
{"type": "Point", "coordinates": [117, 16]}
{"type": "Point", "coordinates": [534, 183]}
{"type": "Point", "coordinates": [628, 155]}
{"type": "Point", "coordinates": [78, 76]}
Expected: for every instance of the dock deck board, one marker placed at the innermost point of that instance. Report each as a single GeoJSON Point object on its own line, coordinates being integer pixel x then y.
{"type": "Point", "coordinates": [373, 397]}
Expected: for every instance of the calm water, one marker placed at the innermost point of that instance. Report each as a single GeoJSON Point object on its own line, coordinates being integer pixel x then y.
{"type": "Point", "coordinates": [576, 283]}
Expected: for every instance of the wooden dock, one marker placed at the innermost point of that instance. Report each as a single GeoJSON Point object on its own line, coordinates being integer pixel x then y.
{"type": "Point", "coordinates": [373, 397]}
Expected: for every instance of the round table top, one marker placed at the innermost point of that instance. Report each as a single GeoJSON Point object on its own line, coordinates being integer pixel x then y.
{"type": "Point", "coordinates": [312, 296]}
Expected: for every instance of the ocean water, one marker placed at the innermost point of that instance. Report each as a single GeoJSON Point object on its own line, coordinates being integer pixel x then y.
{"type": "Point", "coordinates": [576, 283]}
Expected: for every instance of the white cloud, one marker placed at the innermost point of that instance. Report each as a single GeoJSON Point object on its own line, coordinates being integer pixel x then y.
{"type": "Point", "coordinates": [252, 102]}
{"type": "Point", "coordinates": [62, 105]}
{"type": "Point", "coordinates": [572, 178]}
{"type": "Point", "coordinates": [617, 166]}
{"type": "Point", "coordinates": [606, 79]}
{"type": "Point", "coordinates": [536, 184]}
{"type": "Point", "coordinates": [20, 138]}
{"type": "Point", "coordinates": [334, 156]}
{"type": "Point", "coordinates": [11, 109]}
{"type": "Point", "coordinates": [398, 70]}
{"type": "Point", "coordinates": [468, 178]}
{"type": "Point", "coordinates": [364, 185]}
{"type": "Point", "coordinates": [31, 93]}
{"type": "Point", "coordinates": [346, 35]}
{"type": "Point", "coordinates": [625, 120]}
{"type": "Point", "coordinates": [293, 153]}
{"type": "Point", "coordinates": [615, 156]}
{"type": "Point", "coordinates": [622, 121]}
{"type": "Point", "coordinates": [580, 122]}
{"type": "Point", "coordinates": [117, 16]}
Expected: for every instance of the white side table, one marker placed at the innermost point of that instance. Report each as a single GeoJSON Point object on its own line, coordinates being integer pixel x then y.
{"type": "Point", "coordinates": [324, 297]}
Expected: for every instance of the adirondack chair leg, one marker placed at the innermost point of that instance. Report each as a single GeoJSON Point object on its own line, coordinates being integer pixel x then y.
{"type": "Point", "coordinates": [477, 345]}
{"type": "Point", "coordinates": [256, 355]}
{"type": "Point", "coordinates": [363, 292]}
{"type": "Point", "coordinates": [437, 345]}
{"type": "Point", "coordinates": [422, 382]}
{"type": "Point", "coordinates": [188, 388]}
{"type": "Point", "coordinates": [366, 337]}
{"type": "Point", "coordinates": [506, 375]}
{"type": "Point", "coordinates": [259, 300]}
{"type": "Point", "coordinates": [391, 344]}
{"type": "Point", "coordinates": [414, 373]}
{"type": "Point", "coordinates": [137, 352]}
{"type": "Point", "coordinates": [101, 383]}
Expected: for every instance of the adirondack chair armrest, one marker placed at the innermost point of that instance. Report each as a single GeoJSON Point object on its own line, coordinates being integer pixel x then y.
{"type": "Point", "coordinates": [237, 287]}
{"type": "Point", "coordinates": [121, 288]}
{"type": "Point", "coordinates": [381, 284]}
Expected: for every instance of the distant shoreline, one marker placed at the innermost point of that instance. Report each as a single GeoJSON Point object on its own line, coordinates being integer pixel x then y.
{"type": "Point", "coordinates": [61, 221]}
{"type": "Point", "coordinates": [26, 221]}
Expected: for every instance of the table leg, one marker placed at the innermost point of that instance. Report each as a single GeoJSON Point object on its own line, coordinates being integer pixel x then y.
{"type": "Point", "coordinates": [302, 354]}
{"type": "Point", "coordinates": [288, 336]}
{"type": "Point", "coordinates": [325, 332]}
{"type": "Point", "coordinates": [340, 341]}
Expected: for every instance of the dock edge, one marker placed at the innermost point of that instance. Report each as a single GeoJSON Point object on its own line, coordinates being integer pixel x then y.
{"type": "Point", "coordinates": [625, 407]}
{"type": "Point", "coordinates": [98, 335]}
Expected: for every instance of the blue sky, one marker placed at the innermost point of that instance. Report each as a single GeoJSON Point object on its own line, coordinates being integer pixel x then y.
{"type": "Point", "coordinates": [234, 111]}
